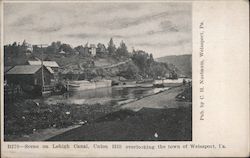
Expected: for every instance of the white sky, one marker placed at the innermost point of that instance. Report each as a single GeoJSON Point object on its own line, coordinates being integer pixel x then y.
{"type": "Point", "coordinates": [158, 28]}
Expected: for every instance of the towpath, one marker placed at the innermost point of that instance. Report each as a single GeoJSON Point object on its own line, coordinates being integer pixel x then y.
{"type": "Point", "coordinates": [162, 100]}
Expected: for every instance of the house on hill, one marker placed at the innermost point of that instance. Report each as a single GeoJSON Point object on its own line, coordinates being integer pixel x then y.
{"type": "Point", "coordinates": [62, 52]}
{"type": "Point", "coordinates": [28, 48]}
{"type": "Point", "coordinates": [89, 49]}
{"type": "Point", "coordinates": [92, 49]}
{"type": "Point", "coordinates": [28, 75]}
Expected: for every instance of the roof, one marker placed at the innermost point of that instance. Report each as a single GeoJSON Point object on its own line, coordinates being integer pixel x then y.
{"type": "Point", "coordinates": [50, 70]}
{"type": "Point", "coordinates": [7, 68]}
{"type": "Point", "coordinates": [24, 69]}
{"type": "Point", "coordinates": [45, 63]}
{"type": "Point", "coordinates": [62, 52]}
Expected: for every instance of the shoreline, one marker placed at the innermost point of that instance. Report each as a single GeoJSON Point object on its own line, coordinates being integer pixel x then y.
{"type": "Point", "coordinates": [158, 100]}
{"type": "Point", "coordinates": [140, 120]}
{"type": "Point", "coordinates": [43, 134]}
{"type": "Point", "coordinates": [47, 133]}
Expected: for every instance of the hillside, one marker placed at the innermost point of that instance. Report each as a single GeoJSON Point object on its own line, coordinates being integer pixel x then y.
{"type": "Point", "coordinates": [105, 62]}
{"type": "Point", "coordinates": [182, 62]}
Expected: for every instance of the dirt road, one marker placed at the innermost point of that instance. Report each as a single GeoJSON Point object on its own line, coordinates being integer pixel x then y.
{"type": "Point", "coordinates": [162, 100]}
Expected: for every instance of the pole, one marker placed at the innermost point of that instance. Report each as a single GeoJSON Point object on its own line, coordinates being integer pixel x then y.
{"type": "Point", "coordinates": [42, 71]}
{"type": "Point", "coordinates": [42, 45]}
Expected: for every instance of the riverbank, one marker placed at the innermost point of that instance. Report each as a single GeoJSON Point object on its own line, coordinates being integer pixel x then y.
{"type": "Point", "coordinates": [148, 124]}
{"type": "Point", "coordinates": [26, 119]}
{"type": "Point", "coordinates": [36, 120]}
{"type": "Point", "coordinates": [156, 117]}
{"type": "Point", "coordinates": [163, 100]}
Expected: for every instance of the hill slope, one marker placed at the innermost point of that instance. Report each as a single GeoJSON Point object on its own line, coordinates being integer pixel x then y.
{"type": "Point", "coordinates": [182, 62]}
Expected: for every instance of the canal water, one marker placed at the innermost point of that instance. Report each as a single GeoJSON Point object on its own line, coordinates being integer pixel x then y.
{"type": "Point", "coordinates": [112, 95]}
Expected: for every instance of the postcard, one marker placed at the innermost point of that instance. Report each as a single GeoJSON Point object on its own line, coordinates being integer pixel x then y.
{"type": "Point", "coordinates": [124, 78]}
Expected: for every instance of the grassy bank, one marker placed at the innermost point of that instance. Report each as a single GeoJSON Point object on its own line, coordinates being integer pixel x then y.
{"type": "Point", "coordinates": [145, 125]}
{"type": "Point", "coordinates": [24, 117]}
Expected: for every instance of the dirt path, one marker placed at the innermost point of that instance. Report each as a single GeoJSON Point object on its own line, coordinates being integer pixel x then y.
{"type": "Point", "coordinates": [162, 100]}
{"type": "Point", "coordinates": [42, 134]}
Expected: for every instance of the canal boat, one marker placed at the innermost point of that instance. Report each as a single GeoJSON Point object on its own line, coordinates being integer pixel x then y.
{"type": "Point", "coordinates": [85, 85]}
{"type": "Point", "coordinates": [148, 85]}
{"type": "Point", "coordinates": [127, 84]}
{"type": "Point", "coordinates": [169, 82]}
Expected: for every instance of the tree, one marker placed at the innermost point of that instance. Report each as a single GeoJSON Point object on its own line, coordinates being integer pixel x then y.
{"type": "Point", "coordinates": [101, 47]}
{"type": "Point", "coordinates": [24, 44]}
{"type": "Point", "coordinates": [111, 47]}
{"type": "Point", "coordinates": [173, 74]}
{"type": "Point", "coordinates": [157, 70]}
{"type": "Point", "coordinates": [140, 58]}
{"type": "Point", "coordinates": [14, 44]}
{"type": "Point", "coordinates": [122, 50]}
{"type": "Point", "coordinates": [54, 47]}
{"type": "Point", "coordinates": [66, 48]}
{"type": "Point", "coordinates": [151, 58]}
{"type": "Point", "coordinates": [101, 72]}
{"type": "Point", "coordinates": [80, 49]}
{"type": "Point", "coordinates": [131, 72]}
{"type": "Point", "coordinates": [101, 50]}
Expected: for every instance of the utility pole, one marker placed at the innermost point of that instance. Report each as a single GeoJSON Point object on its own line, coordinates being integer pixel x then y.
{"type": "Point", "coordinates": [42, 45]}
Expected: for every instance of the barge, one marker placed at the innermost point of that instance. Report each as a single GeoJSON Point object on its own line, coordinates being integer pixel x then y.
{"type": "Point", "coordinates": [86, 85]}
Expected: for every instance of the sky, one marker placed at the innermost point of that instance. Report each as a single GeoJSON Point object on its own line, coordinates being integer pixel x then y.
{"type": "Point", "coordinates": [158, 28]}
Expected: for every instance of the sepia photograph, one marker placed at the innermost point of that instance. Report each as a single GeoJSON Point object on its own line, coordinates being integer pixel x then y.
{"type": "Point", "coordinates": [113, 71]}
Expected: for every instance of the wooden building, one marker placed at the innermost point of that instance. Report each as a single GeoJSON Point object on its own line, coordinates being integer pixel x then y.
{"type": "Point", "coordinates": [28, 75]}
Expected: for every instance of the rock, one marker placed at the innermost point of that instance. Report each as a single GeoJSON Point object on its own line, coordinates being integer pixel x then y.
{"type": "Point", "coordinates": [67, 113]}
{"type": "Point", "coordinates": [156, 135]}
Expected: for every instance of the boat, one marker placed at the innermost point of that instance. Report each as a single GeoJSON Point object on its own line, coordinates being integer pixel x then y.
{"type": "Point", "coordinates": [170, 82]}
{"type": "Point", "coordinates": [127, 84]}
{"type": "Point", "coordinates": [145, 85]}
{"type": "Point", "coordinates": [86, 85]}
{"type": "Point", "coordinates": [158, 83]}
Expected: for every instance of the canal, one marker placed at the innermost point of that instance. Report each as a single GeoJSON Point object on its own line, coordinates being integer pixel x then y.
{"type": "Point", "coordinates": [113, 95]}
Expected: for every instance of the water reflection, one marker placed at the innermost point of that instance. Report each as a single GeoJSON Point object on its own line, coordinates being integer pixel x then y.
{"type": "Point", "coordinates": [103, 95]}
